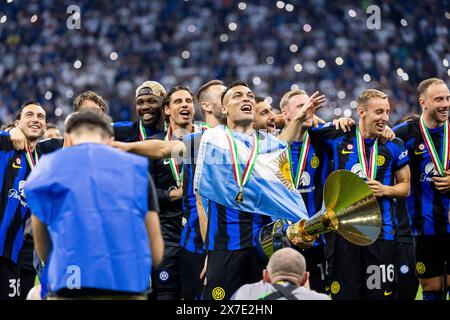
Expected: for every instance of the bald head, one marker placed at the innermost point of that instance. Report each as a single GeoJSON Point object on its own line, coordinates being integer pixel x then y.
{"type": "Point", "coordinates": [287, 264]}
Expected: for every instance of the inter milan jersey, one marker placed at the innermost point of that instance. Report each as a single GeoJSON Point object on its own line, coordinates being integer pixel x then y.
{"type": "Point", "coordinates": [230, 229]}
{"type": "Point", "coordinates": [191, 238]}
{"type": "Point", "coordinates": [392, 156]}
{"type": "Point", "coordinates": [14, 210]}
{"type": "Point", "coordinates": [313, 177]}
{"type": "Point", "coordinates": [427, 207]}
{"type": "Point", "coordinates": [171, 212]}
{"type": "Point", "coordinates": [128, 131]}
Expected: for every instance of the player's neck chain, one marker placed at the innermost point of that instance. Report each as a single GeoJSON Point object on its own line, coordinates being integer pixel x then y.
{"type": "Point", "coordinates": [176, 173]}
{"type": "Point", "coordinates": [439, 166]}
{"type": "Point", "coordinates": [32, 160]}
{"type": "Point", "coordinates": [368, 169]}
{"type": "Point", "coordinates": [242, 178]}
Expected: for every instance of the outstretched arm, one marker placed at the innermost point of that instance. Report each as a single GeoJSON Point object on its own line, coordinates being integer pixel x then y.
{"type": "Point", "coordinates": [155, 149]}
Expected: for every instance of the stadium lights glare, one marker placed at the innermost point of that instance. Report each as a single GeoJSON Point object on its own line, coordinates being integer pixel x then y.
{"type": "Point", "coordinates": [295, 87]}
{"type": "Point", "coordinates": [289, 7]}
{"type": "Point", "coordinates": [270, 60]}
{"type": "Point", "coordinates": [367, 78]}
{"type": "Point", "coordinates": [185, 54]}
{"type": "Point", "coordinates": [48, 95]}
{"type": "Point", "coordinates": [352, 13]}
{"type": "Point", "coordinates": [339, 61]}
{"type": "Point", "coordinates": [77, 64]}
{"type": "Point", "coordinates": [256, 81]}
{"type": "Point", "coordinates": [34, 18]}
{"type": "Point", "coordinates": [321, 63]}
{"type": "Point", "coordinates": [242, 6]}
{"type": "Point", "coordinates": [223, 37]}
{"type": "Point", "coordinates": [445, 63]}
{"type": "Point", "coordinates": [293, 48]}
{"type": "Point", "coordinates": [191, 28]}
{"type": "Point", "coordinates": [298, 67]}
{"type": "Point", "coordinates": [232, 26]}
{"type": "Point", "coordinates": [58, 112]}
{"type": "Point", "coordinates": [113, 56]}
{"type": "Point", "coordinates": [280, 4]}
{"type": "Point", "coordinates": [307, 28]}
{"type": "Point", "coordinates": [269, 100]}
{"type": "Point", "coordinates": [347, 113]}
{"type": "Point", "coordinates": [3, 19]}
{"type": "Point", "coordinates": [403, 22]}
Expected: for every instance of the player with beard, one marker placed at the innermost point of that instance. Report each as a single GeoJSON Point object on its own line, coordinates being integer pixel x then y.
{"type": "Point", "coordinates": [14, 211]}
{"type": "Point", "coordinates": [427, 140]}
{"type": "Point", "coordinates": [265, 118]}
{"type": "Point", "coordinates": [148, 97]}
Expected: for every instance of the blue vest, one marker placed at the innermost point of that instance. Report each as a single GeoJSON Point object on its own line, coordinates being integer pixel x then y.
{"type": "Point", "coordinates": [94, 200]}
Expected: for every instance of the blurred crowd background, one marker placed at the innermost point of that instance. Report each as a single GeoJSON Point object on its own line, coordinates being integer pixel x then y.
{"type": "Point", "coordinates": [273, 45]}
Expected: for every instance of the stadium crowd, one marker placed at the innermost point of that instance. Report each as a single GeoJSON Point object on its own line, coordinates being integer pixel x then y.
{"type": "Point", "coordinates": [150, 39]}
{"type": "Point", "coordinates": [198, 197]}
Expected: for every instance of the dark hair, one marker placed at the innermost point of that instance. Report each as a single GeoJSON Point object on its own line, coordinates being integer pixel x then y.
{"type": "Point", "coordinates": [92, 119]}
{"type": "Point", "coordinates": [234, 84]}
{"type": "Point", "coordinates": [205, 87]}
{"type": "Point", "coordinates": [26, 104]}
{"type": "Point", "coordinates": [259, 99]}
{"type": "Point", "coordinates": [92, 96]}
{"type": "Point", "coordinates": [51, 125]}
{"type": "Point", "coordinates": [169, 94]}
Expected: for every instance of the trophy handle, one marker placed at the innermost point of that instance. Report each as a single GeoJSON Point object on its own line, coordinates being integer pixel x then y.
{"type": "Point", "coordinates": [307, 230]}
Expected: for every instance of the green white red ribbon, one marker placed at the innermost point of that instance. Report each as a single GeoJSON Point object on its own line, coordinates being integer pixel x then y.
{"type": "Point", "coordinates": [176, 173]}
{"type": "Point", "coordinates": [368, 169]}
{"type": "Point", "coordinates": [142, 132]}
{"type": "Point", "coordinates": [439, 166]}
{"type": "Point", "coordinates": [30, 159]}
{"type": "Point", "coordinates": [242, 179]}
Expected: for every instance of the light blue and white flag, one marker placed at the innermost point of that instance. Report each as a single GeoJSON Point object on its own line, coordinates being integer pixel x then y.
{"type": "Point", "coordinates": [269, 190]}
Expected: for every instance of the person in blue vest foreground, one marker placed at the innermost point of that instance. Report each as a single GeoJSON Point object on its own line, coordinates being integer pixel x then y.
{"type": "Point", "coordinates": [96, 229]}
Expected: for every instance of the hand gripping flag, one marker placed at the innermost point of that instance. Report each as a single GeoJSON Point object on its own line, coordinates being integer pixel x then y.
{"type": "Point", "coordinates": [269, 189]}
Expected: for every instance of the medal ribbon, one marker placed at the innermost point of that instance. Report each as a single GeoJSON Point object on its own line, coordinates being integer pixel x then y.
{"type": "Point", "coordinates": [242, 179]}
{"type": "Point", "coordinates": [369, 171]}
{"type": "Point", "coordinates": [177, 175]}
{"type": "Point", "coordinates": [31, 160]}
{"type": "Point", "coordinates": [142, 132]}
{"type": "Point", "coordinates": [205, 126]}
{"type": "Point", "coordinates": [440, 166]}
{"type": "Point", "coordinates": [301, 159]}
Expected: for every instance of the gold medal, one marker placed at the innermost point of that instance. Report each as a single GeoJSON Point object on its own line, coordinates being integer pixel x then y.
{"type": "Point", "coordinates": [239, 197]}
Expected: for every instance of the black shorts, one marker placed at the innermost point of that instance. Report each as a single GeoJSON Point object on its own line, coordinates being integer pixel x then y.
{"type": "Point", "coordinates": [9, 280]}
{"type": "Point", "coordinates": [361, 273]}
{"type": "Point", "coordinates": [316, 266]}
{"type": "Point", "coordinates": [166, 278]}
{"type": "Point", "coordinates": [432, 255]}
{"type": "Point", "coordinates": [191, 267]}
{"type": "Point", "coordinates": [227, 271]}
{"type": "Point", "coordinates": [407, 281]}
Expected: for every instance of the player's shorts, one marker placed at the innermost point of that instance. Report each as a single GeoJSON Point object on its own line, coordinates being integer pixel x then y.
{"type": "Point", "coordinates": [407, 281]}
{"type": "Point", "coordinates": [9, 280]}
{"type": "Point", "coordinates": [316, 266]}
{"type": "Point", "coordinates": [432, 255]}
{"type": "Point", "coordinates": [361, 272]}
{"type": "Point", "coordinates": [227, 271]}
{"type": "Point", "coordinates": [191, 267]}
{"type": "Point", "coordinates": [166, 278]}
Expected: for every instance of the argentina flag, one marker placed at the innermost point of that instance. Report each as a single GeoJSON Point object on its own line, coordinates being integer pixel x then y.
{"type": "Point", "coordinates": [269, 189]}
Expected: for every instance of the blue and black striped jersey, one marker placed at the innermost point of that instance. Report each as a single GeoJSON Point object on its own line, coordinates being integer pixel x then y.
{"type": "Point", "coordinates": [313, 177]}
{"type": "Point", "coordinates": [191, 238]}
{"type": "Point", "coordinates": [427, 207]}
{"type": "Point", "coordinates": [392, 156]}
{"type": "Point", "coordinates": [230, 229]}
{"type": "Point", "coordinates": [14, 210]}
